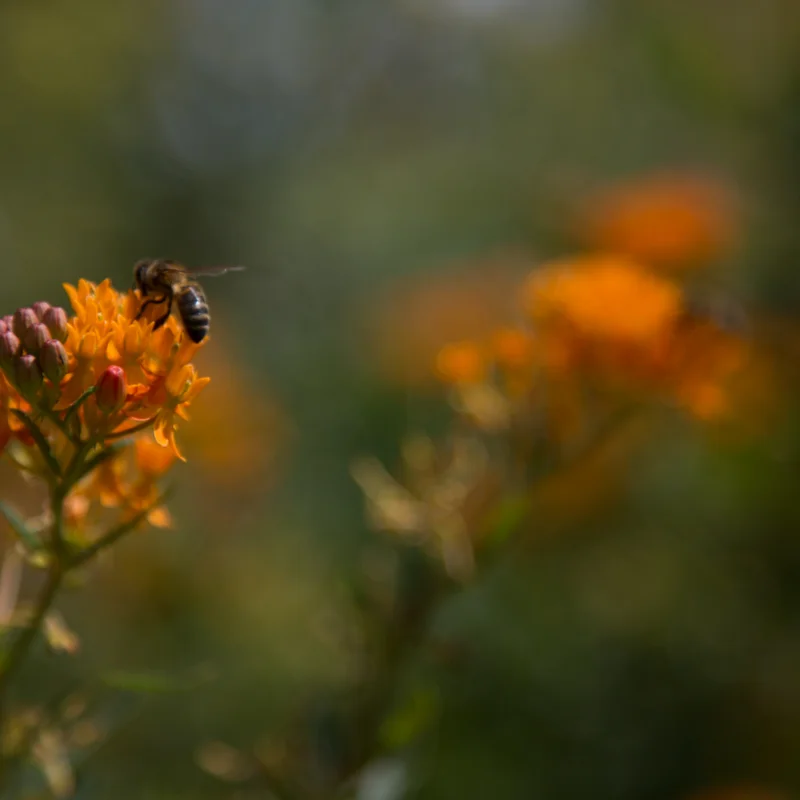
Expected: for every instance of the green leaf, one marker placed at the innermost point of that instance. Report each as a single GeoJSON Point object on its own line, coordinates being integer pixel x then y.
{"type": "Point", "coordinates": [30, 540]}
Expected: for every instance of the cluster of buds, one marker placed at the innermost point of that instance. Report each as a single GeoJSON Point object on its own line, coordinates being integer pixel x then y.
{"type": "Point", "coordinates": [32, 352]}
{"type": "Point", "coordinates": [35, 361]}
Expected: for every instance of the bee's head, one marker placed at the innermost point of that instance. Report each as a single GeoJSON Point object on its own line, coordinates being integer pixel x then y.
{"type": "Point", "coordinates": [140, 273]}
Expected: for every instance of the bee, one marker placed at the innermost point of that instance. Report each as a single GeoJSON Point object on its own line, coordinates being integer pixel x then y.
{"type": "Point", "coordinates": [163, 280]}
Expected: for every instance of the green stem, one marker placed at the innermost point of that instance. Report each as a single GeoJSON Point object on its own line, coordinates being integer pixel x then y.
{"type": "Point", "coordinates": [55, 575]}
{"type": "Point", "coordinates": [405, 634]}
{"type": "Point", "coordinates": [23, 642]}
{"type": "Point", "coordinates": [73, 409]}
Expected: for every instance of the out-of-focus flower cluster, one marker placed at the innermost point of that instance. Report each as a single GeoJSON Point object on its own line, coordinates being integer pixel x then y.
{"type": "Point", "coordinates": [672, 219]}
{"type": "Point", "coordinates": [594, 339]}
{"type": "Point", "coordinates": [93, 401]}
{"type": "Point", "coordinates": [598, 324]}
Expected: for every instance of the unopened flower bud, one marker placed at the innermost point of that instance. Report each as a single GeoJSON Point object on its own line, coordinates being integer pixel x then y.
{"type": "Point", "coordinates": [9, 347]}
{"type": "Point", "coordinates": [40, 309]}
{"type": "Point", "coordinates": [35, 337]}
{"type": "Point", "coordinates": [3, 327]}
{"type": "Point", "coordinates": [112, 389]}
{"type": "Point", "coordinates": [28, 376]}
{"type": "Point", "coordinates": [56, 320]}
{"type": "Point", "coordinates": [53, 360]}
{"type": "Point", "coordinates": [9, 321]}
{"type": "Point", "coordinates": [23, 319]}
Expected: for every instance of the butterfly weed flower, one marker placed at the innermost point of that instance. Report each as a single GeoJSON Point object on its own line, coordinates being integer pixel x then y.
{"type": "Point", "coordinates": [600, 337]}
{"type": "Point", "coordinates": [90, 405]}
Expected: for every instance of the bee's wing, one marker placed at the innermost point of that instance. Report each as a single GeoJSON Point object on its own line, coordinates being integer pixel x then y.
{"type": "Point", "coordinates": [214, 270]}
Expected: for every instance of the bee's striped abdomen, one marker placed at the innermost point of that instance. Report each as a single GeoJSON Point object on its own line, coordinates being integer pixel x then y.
{"type": "Point", "coordinates": [193, 310]}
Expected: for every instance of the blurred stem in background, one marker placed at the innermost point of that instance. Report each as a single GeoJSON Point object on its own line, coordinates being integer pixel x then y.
{"type": "Point", "coordinates": [606, 340]}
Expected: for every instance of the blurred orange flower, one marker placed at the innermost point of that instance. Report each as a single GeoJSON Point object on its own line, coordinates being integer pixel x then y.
{"type": "Point", "coordinates": [603, 298]}
{"type": "Point", "coordinates": [461, 362]}
{"type": "Point", "coordinates": [419, 316]}
{"type": "Point", "coordinates": [237, 428]}
{"type": "Point", "coordinates": [601, 317]}
{"type": "Point", "coordinates": [672, 219]}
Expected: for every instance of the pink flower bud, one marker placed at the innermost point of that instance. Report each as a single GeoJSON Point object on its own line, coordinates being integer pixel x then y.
{"type": "Point", "coordinates": [56, 320]}
{"type": "Point", "coordinates": [35, 337]}
{"type": "Point", "coordinates": [112, 389]}
{"type": "Point", "coordinates": [40, 309]}
{"type": "Point", "coordinates": [3, 327]}
{"type": "Point", "coordinates": [28, 376]}
{"type": "Point", "coordinates": [23, 319]}
{"type": "Point", "coordinates": [53, 360]}
{"type": "Point", "coordinates": [9, 347]}
{"type": "Point", "coordinates": [9, 321]}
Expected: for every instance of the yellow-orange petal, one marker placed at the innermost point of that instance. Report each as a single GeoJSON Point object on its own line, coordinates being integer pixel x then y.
{"type": "Point", "coordinates": [198, 384]}
{"type": "Point", "coordinates": [74, 298]}
{"type": "Point", "coordinates": [179, 382]}
{"type": "Point", "coordinates": [89, 345]}
{"type": "Point", "coordinates": [160, 429]}
{"type": "Point", "coordinates": [160, 517]}
{"type": "Point", "coordinates": [174, 444]}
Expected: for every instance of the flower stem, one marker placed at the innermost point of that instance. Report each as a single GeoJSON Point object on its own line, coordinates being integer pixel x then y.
{"type": "Point", "coordinates": [52, 583]}
{"type": "Point", "coordinates": [25, 639]}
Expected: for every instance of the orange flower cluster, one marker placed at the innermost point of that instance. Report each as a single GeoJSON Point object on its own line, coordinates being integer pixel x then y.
{"type": "Point", "coordinates": [604, 318]}
{"type": "Point", "coordinates": [71, 387]}
{"type": "Point", "coordinates": [161, 381]}
{"type": "Point", "coordinates": [669, 219]}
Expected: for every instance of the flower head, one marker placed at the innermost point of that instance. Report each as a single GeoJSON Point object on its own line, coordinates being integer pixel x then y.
{"type": "Point", "coordinates": [108, 344]}
{"type": "Point", "coordinates": [74, 389]}
{"type": "Point", "coordinates": [604, 298]}
{"type": "Point", "coordinates": [607, 319]}
{"type": "Point", "coordinates": [665, 219]}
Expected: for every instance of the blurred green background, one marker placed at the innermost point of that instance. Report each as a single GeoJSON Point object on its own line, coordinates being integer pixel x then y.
{"type": "Point", "coordinates": [352, 154]}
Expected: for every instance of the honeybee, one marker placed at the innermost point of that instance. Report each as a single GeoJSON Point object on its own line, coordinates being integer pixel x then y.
{"type": "Point", "coordinates": [164, 280]}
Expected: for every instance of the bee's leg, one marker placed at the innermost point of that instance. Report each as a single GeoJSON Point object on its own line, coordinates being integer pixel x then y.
{"type": "Point", "coordinates": [156, 301]}
{"type": "Point", "coordinates": [165, 316]}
